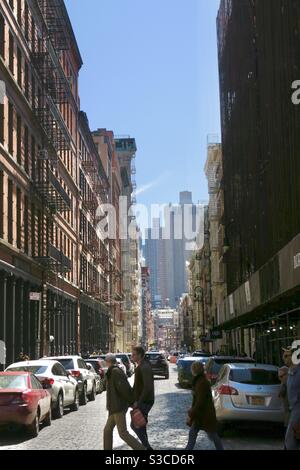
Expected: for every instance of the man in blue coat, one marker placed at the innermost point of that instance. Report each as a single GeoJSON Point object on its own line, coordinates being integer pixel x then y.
{"type": "Point", "coordinates": [293, 395]}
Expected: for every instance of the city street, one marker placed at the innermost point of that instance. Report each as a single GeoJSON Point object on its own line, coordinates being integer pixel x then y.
{"type": "Point", "coordinates": [82, 430]}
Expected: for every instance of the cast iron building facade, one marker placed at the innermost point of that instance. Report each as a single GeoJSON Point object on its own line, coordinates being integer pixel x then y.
{"type": "Point", "coordinates": [54, 268]}
{"type": "Point", "coordinates": [39, 63]}
{"type": "Point", "coordinates": [259, 58]}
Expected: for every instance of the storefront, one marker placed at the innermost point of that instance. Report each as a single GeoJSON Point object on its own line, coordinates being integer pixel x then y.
{"type": "Point", "coordinates": [263, 315]}
{"type": "Point", "coordinates": [18, 314]}
{"type": "Point", "coordinates": [94, 326]}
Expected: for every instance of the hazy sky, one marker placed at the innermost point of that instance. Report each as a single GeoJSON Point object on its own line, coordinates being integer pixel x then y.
{"type": "Point", "coordinates": [150, 71]}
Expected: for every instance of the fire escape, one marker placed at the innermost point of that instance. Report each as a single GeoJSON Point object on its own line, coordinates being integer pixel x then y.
{"type": "Point", "coordinates": [54, 91]}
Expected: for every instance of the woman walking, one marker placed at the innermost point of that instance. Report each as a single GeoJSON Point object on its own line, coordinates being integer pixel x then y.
{"type": "Point", "coordinates": [202, 415]}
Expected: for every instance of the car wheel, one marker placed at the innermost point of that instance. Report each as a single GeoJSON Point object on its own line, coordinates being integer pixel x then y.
{"type": "Point", "coordinates": [75, 405]}
{"type": "Point", "coordinates": [92, 396]}
{"type": "Point", "coordinates": [167, 376]}
{"type": "Point", "coordinates": [34, 428]}
{"type": "Point", "coordinates": [48, 419]}
{"type": "Point", "coordinates": [83, 397]}
{"type": "Point", "coordinates": [59, 409]}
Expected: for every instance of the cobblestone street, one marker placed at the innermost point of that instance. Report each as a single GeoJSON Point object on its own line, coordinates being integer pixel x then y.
{"type": "Point", "coordinates": [167, 430]}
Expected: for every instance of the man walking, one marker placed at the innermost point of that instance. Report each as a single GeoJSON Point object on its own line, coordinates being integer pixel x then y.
{"type": "Point", "coordinates": [143, 391]}
{"type": "Point", "coordinates": [293, 396]}
{"type": "Point", "coordinates": [119, 397]}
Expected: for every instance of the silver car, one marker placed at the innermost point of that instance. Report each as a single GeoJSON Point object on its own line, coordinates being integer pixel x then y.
{"type": "Point", "coordinates": [98, 379]}
{"type": "Point", "coordinates": [248, 392]}
{"type": "Point", "coordinates": [54, 377]}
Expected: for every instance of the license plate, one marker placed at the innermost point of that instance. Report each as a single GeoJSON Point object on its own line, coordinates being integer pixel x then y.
{"type": "Point", "coordinates": [258, 401]}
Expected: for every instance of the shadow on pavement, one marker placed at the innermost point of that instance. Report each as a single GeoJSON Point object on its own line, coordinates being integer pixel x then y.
{"type": "Point", "coordinates": [13, 436]}
{"type": "Point", "coordinates": [167, 429]}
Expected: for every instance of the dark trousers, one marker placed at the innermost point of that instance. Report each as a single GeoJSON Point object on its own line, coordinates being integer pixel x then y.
{"type": "Point", "coordinates": [142, 432]}
{"type": "Point", "coordinates": [213, 436]}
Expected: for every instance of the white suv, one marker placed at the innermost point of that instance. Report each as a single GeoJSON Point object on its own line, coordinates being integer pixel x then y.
{"type": "Point", "coordinates": [85, 378]}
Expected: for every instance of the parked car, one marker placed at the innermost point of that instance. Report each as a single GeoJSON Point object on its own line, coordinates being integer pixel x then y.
{"type": "Point", "coordinates": [158, 363]}
{"type": "Point", "coordinates": [127, 362]}
{"type": "Point", "coordinates": [173, 357]}
{"type": "Point", "coordinates": [23, 401]}
{"type": "Point", "coordinates": [184, 367]}
{"type": "Point", "coordinates": [62, 387]}
{"type": "Point", "coordinates": [99, 365]}
{"type": "Point", "coordinates": [85, 378]}
{"type": "Point", "coordinates": [215, 363]}
{"type": "Point", "coordinates": [99, 381]}
{"type": "Point", "coordinates": [248, 392]}
{"type": "Point", "coordinates": [201, 354]}
{"type": "Point", "coordinates": [121, 365]}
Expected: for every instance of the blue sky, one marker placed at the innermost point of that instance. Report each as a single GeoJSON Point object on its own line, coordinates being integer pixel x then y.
{"type": "Point", "coordinates": [150, 71]}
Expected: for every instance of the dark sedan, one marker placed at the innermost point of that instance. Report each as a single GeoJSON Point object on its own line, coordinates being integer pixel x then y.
{"type": "Point", "coordinates": [158, 363]}
{"type": "Point", "coordinates": [184, 367]}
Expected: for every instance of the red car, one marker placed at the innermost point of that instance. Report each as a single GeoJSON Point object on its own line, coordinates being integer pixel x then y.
{"type": "Point", "coordinates": [23, 401]}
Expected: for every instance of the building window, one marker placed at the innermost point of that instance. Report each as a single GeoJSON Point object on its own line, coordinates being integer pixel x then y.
{"type": "Point", "coordinates": [26, 228]}
{"type": "Point", "coordinates": [19, 220]}
{"type": "Point", "coordinates": [11, 128]}
{"type": "Point", "coordinates": [33, 33]}
{"type": "Point", "coordinates": [32, 230]}
{"type": "Point", "coordinates": [2, 37]}
{"type": "Point", "coordinates": [1, 123]}
{"type": "Point", "coordinates": [1, 204]}
{"type": "Point", "coordinates": [26, 22]}
{"type": "Point", "coordinates": [33, 97]}
{"type": "Point", "coordinates": [26, 79]}
{"type": "Point", "coordinates": [26, 149]}
{"type": "Point", "coordinates": [33, 157]}
{"type": "Point", "coordinates": [19, 140]}
{"type": "Point", "coordinates": [19, 66]}
{"type": "Point", "coordinates": [10, 212]}
{"type": "Point", "coordinates": [11, 53]}
{"type": "Point", "coordinates": [40, 222]}
{"type": "Point", "coordinates": [19, 12]}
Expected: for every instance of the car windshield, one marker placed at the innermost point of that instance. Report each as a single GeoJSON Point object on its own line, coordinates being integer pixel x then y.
{"type": "Point", "coordinates": [254, 376]}
{"type": "Point", "coordinates": [218, 363]}
{"type": "Point", "coordinates": [95, 364]}
{"type": "Point", "coordinates": [18, 382]}
{"type": "Point", "coordinates": [123, 357]}
{"type": "Point", "coordinates": [153, 357]}
{"type": "Point", "coordinates": [37, 369]}
{"type": "Point", "coordinates": [68, 363]}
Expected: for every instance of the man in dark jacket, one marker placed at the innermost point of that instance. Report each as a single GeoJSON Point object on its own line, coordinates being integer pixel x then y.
{"type": "Point", "coordinates": [119, 396]}
{"type": "Point", "coordinates": [202, 415]}
{"type": "Point", "coordinates": [143, 391]}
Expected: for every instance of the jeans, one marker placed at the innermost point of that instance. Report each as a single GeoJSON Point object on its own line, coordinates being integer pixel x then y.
{"type": "Point", "coordinates": [290, 440]}
{"type": "Point", "coordinates": [213, 436]}
{"type": "Point", "coordinates": [142, 432]}
{"type": "Point", "coordinates": [119, 420]}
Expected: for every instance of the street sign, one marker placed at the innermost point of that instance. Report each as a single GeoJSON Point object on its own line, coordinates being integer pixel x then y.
{"type": "Point", "coordinates": [35, 296]}
{"type": "Point", "coordinates": [2, 353]}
